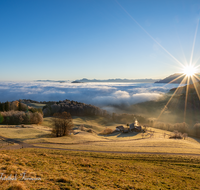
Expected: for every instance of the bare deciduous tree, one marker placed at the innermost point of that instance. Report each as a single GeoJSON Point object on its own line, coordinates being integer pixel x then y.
{"type": "Point", "coordinates": [62, 124]}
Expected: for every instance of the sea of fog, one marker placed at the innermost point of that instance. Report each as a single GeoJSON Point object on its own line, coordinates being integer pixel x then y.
{"type": "Point", "coordinates": [99, 94]}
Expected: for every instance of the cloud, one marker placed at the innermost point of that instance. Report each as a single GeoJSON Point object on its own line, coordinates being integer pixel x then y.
{"type": "Point", "coordinates": [99, 94]}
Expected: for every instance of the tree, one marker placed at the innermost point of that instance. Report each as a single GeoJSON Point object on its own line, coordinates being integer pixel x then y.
{"type": "Point", "coordinates": [185, 135]}
{"type": "Point", "coordinates": [1, 118]}
{"type": "Point", "coordinates": [62, 124]}
{"type": "Point", "coordinates": [7, 106]}
{"type": "Point", "coordinates": [20, 106]}
{"type": "Point", "coordinates": [1, 106]}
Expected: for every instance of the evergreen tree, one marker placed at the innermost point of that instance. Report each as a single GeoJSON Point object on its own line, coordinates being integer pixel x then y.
{"type": "Point", "coordinates": [7, 106]}
{"type": "Point", "coordinates": [1, 107]}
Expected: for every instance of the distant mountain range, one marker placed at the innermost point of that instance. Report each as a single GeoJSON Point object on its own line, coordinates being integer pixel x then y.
{"type": "Point", "coordinates": [165, 80]}
{"type": "Point", "coordinates": [61, 81]}
{"type": "Point", "coordinates": [84, 80]}
{"type": "Point", "coordinates": [173, 77]}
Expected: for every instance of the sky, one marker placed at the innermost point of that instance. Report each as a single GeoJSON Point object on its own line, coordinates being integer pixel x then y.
{"type": "Point", "coordinates": [102, 39]}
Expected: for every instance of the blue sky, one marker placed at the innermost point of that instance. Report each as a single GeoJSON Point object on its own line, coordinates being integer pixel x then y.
{"type": "Point", "coordinates": [73, 39]}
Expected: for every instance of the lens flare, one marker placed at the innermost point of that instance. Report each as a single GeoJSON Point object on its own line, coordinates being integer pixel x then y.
{"type": "Point", "coordinates": [189, 70]}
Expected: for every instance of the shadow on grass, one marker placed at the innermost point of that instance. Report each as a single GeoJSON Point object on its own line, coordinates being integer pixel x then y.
{"type": "Point", "coordinates": [17, 140]}
{"type": "Point", "coordinates": [120, 134]}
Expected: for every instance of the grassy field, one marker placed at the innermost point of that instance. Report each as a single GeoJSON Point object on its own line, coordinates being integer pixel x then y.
{"type": "Point", "coordinates": [23, 134]}
{"type": "Point", "coordinates": [35, 105]}
{"type": "Point", "coordinates": [77, 170]}
{"type": "Point", "coordinates": [148, 145]}
{"type": "Point", "coordinates": [60, 169]}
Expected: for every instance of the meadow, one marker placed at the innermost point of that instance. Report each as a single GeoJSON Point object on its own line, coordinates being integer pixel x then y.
{"type": "Point", "coordinates": [86, 159]}
{"type": "Point", "coordinates": [87, 136]}
{"type": "Point", "coordinates": [78, 170]}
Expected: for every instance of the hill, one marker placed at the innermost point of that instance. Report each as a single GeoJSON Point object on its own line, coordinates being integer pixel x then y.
{"type": "Point", "coordinates": [175, 109]}
{"type": "Point", "coordinates": [173, 77]}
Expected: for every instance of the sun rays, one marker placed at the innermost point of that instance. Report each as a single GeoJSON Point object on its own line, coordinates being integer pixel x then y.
{"type": "Point", "coordinates": [189, 70]}
{"type": "Point", "coordinates": [190, 76]}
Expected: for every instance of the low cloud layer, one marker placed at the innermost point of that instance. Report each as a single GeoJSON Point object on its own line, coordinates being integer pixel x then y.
{"type": "Point", "coordinates": [99, 94]}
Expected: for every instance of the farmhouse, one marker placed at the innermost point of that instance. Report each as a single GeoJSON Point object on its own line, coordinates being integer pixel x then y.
{"type": "Point", "coordinates": [135, 127]}
{"type": "Point", "coordinates": [120, 128]}
{"type": "Point", "coordinates": [132, 127]}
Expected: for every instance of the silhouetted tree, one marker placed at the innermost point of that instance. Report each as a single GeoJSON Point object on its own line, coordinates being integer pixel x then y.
{"type": "Point", "coordinates": [1, 107]}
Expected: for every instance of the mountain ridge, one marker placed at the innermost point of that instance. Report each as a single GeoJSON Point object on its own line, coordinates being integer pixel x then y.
{"type": "Point", "coordinates": [115, 80]}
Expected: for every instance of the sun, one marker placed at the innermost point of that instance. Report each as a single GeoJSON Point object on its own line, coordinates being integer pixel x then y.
{"type": "Point", "coordinates": [189, 70]}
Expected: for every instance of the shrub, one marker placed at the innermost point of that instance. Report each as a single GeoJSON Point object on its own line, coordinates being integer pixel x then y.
{"type": "Point", "coordinates": [176, 135]}
{"type": "Point", "coordinates": [106, 131]}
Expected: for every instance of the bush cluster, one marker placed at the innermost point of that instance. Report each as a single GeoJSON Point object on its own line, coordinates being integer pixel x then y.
{"type": "Point", "coordinates": [178, 135]}
{"type": "Point", "coordinates": [183, 128]}
{"type": "Point", "coordinates": [106, 131]}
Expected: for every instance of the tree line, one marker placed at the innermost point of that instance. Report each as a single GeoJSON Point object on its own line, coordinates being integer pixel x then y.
{"type": "Point", "coordinates": [81, 109]}
{"type": "Point", "coordinates": [17, 106]}
{"type": "Point", "coordinates": [16, 112]}
{"type": "Point", "coordinates": [20, 117]}
{"type": "Point", "coordinates": [180, 127]}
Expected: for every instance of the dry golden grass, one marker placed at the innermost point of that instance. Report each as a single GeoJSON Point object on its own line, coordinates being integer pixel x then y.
{"type": "Point", "coordinates": [40, 135]}
{"type": "Point", "coordinates": [17, 186]}
{"type": "Point", "coordinates": [142, 145]}
{"type": "Point", "coordinates": [23, 133]}
{"type": "Point", "coordinates": [47, 121]}
{"type": "Point", "coordinates": [97, 123]}
{"type": "Point", "coordinates": [77, 170]}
